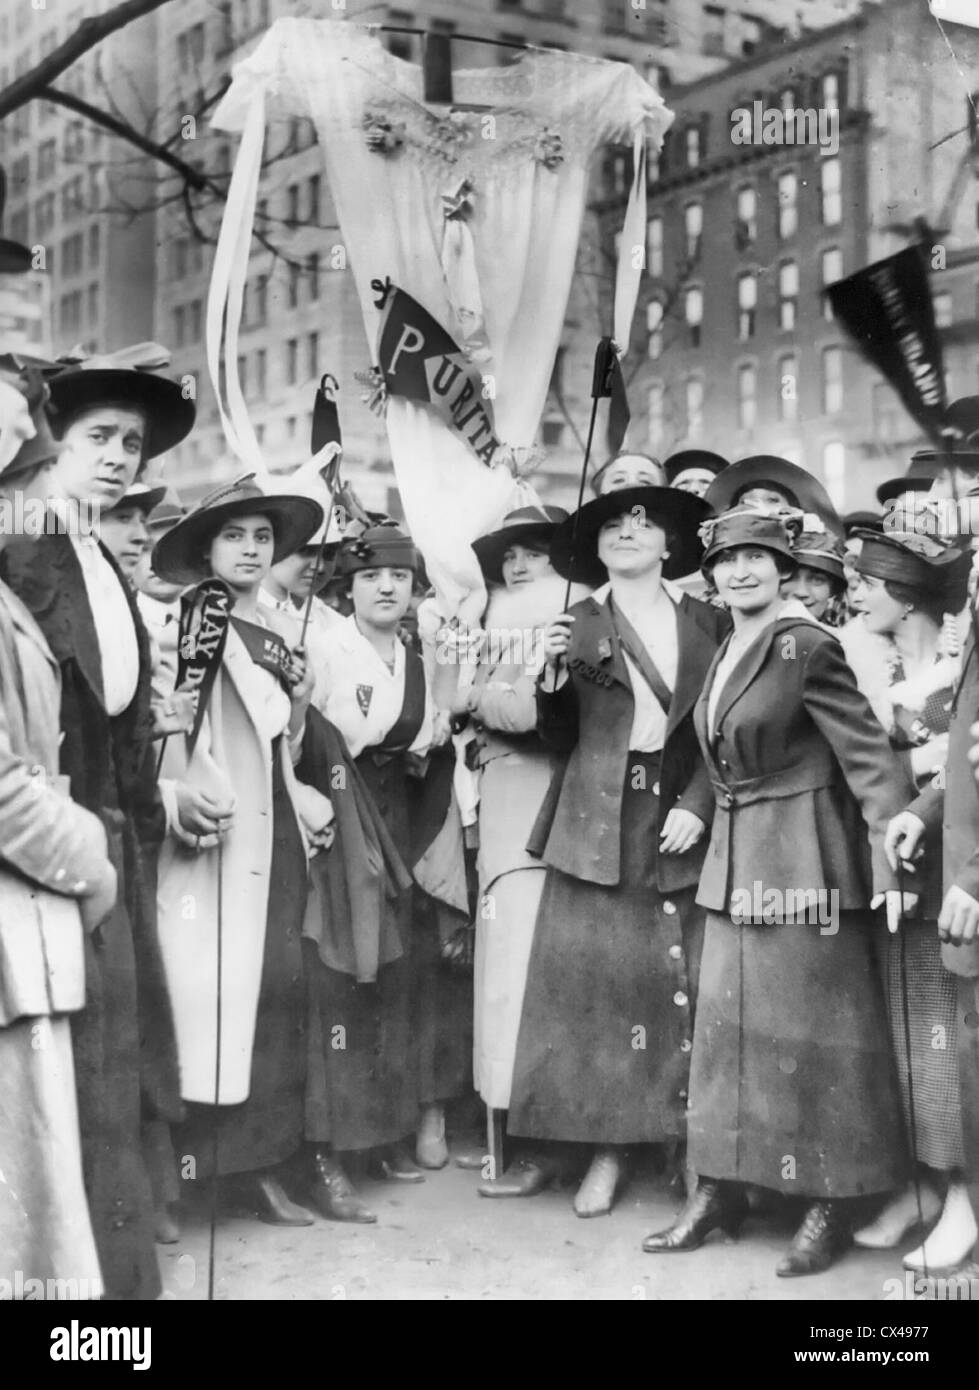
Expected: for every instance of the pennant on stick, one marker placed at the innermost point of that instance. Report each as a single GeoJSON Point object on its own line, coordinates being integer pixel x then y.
{"type": "Point", "coordinates": [204, 616]}
{"type": "Point", "coordinates": [421, 362]}
{"type": "Point", "coordinates": [887, 310]}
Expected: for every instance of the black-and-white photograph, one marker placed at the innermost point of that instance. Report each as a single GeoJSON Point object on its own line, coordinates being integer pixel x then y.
{"type": "Point", "coordinates": [489, 657]}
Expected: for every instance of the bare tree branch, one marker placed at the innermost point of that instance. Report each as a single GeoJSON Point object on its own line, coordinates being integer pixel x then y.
{"type": "Point", "coordinates": [90, 32]}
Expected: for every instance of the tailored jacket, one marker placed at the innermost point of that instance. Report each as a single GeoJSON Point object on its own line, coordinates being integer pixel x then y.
{"type": "Point", "coordinates": [801, 770]}
{"type": "Point", "coordinates": [578, 829]}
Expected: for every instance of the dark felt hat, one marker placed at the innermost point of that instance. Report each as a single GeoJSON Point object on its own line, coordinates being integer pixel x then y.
{"type": "Point", "coordinates": [866, 521]}
{"type": "Point", "coordinates": [798, 486]}
{"type": "Point", "coordinates": [102, 380]}
{"type": "Point", "coordinates": [961, 430]}
{"type": "Point", "coordinates": [822, 551]}
{"type": "Point", "coordinates": [179, 555]}
{"type": "Point", "coordinates": [738, 526]}
{"type": "Point", "coordinates": [921, 562]}
{"type": "Point", "coordinates": [517, 528]}
{"type": "Point", "coordinates": [140, 495]}
{"type": "Point", "coordinates": [919, 475]}
{"type": "Point", "coordinates": [693, 458]}
{"type": "Point", "coordinates": [379, 547]}
{"type": "Point", "coordinates": [574, 547]}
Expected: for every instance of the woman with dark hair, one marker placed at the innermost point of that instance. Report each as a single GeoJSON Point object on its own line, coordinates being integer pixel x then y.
{"type": "Point", "coordinates": [907, 585]}
{"type": "Point", "coordinates": [232, 877]}
{"type": "Point", "coordinates": [792, 1082]}
{"type": "Point", "coordinates": [769, 483]}
{"type": "Point", "coordinates": [818, 582]}
{"type": "Point", "coordinates": [605, 1034]}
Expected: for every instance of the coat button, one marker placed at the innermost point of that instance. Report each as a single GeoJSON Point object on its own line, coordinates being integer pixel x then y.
{"type": "Point", "coordinates": [686, 1045]}
{"type": "Point", "coordinates": [669, 908]}
{"type": "Point", "coordinates": [655, 789]}
{"type": "Point", "coordinates": [680, 999]}
{"type": "Point", "coordinates": [80, 887]}
{"type": "Point", "coordinates": [682, 1095]}
{"type": "Point", "coordinates": [676, 953]}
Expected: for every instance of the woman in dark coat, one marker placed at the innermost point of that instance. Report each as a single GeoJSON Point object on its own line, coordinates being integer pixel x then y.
{"type": "Point", "coordinates": [907, 584]}
{"type": "Point", "coordinates": [792, 1082]}
{"type": "Point", "coordinates": [605, 1035]}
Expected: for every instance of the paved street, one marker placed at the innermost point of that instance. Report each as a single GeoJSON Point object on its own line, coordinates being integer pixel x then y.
{"type": "Point", "coordinates": [440, 1240]}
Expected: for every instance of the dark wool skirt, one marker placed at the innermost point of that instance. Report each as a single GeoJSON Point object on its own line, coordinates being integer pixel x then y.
{"type": "Point", "coordinates": [930, 1033]}
{"type": "Point", "coordinates": [793, 1083]}
{"type": "Point", "coordinates": [443, 1005]}
{"type": "Point", "coordinates": [267, 1128]}
{"type": "Point", "coordinates": [604, 1047]}
{"type": "Point", "coordinates": [362, 1089]}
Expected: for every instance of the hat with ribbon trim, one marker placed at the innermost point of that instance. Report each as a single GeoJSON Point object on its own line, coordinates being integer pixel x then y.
{"type": "Point", "coordinates": [524, 526]}
{"type": "Point", "coordinates": [917, 561]}
{"type": "Point", "coordinates": [379, 547]}
{"type": "Point", "coordinates": [821, 550]}
{"type": "Point", "coordinates": [750, 526]}
{"type": "Point", "coordinates": [774, 474]}
{"type": "Point", "coordinates": [129, 378]}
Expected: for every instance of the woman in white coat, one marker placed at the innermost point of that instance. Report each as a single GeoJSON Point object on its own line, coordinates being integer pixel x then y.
{"type": "Point", "coordinates": [232, 877]}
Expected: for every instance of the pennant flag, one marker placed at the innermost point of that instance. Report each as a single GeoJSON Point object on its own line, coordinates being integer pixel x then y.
{"type": "Point", "coordinates": [204, 616]}
{"type": "Point", "coordinates": [420, 361]}
{"type": "Point", "coordinates": [610, 382]}
{"type": "Point", "coordinates": [887, 310]}
{"type": "Point", "coordinates": [326, 416]}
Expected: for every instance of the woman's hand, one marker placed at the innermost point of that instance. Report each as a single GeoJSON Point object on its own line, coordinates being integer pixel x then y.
{"type": "Point", "coordinates": [681, 831]}
{"type": "Point", "coordinates": [896, 905]}
{"type": "Point", "coordinates": [301, 677]}
{"type": "Point", "coordinates": [902, 839]}
{"type": "Point", "coordinates": [441, 728]}
{"type": "Point", "coordinates": [556, 639]}
{"type": "Point", "coordinates": [96, 905]}
{"type": "Point", "coordinates": [958, 921]}
{"type": "Point", "coordinates": [929, 757]}
{"type": "Point", "coordinates": [174, 714]}
{"type": "Point", "coordinates": [203, 815]}
{"type": "Point", "coordinates": [973, 753]}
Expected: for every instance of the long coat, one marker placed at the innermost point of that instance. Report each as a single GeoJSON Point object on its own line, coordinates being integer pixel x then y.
{"type": "Point", "coordinates": [232, 758]}
{"type": "Point", "coordinates": [125, 1053]}
{"type": "Point", "coordinates": [579, 827]}
{"type": "Point", "coordinates": [53, 850]}
{"type": "Point", "coordinates": [792, 738]}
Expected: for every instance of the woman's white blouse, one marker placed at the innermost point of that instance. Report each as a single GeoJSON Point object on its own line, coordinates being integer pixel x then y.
{"type": "Point", "coordinates": [114, 625]}
{"type": "Point", "coordinates": [357, 692]}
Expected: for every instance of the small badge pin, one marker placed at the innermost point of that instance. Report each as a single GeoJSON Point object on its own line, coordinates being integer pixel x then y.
{"type": "Point", "coordinates": [604, 649]}
{"type": "Point", "coordinates": [364, 693]}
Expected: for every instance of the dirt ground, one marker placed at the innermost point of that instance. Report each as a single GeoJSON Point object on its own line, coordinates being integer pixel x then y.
{"type": "Point", "coordinates": [440, 1240]}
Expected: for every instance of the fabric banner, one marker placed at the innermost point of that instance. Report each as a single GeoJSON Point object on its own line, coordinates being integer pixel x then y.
{"type": "Point", "coordinates": [887, 310]}
{"type": "Point", "coordinates": [204, 616]}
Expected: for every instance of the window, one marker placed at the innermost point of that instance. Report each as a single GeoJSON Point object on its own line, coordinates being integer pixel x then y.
{"type": "Point", "coordinates": [292, 201]}
{"type": "Point", "coordinates": [832, 271]}
{"type": "Point", "coordinates": [747, 218]}
{"type": "Point", "coordinates": [179, 257]}
{"type": "Point", "coordinates": [886, 413]}
{"type": "Point", "coordinates": [693, 146]}
{"type": "Point", "coordinates": [194, 321]}
{"type": "Point", "coordinates": [788, 295]}
{"type": "Point", "coordinates": [47, 156]}
{"type": "Point", "coordinates": [713, 38]}
{"type": "Point", "coordinates": [746, 396]}
{"type": "Point", "coordinates": [654, 246]}
{"type": "Point", "coordinates": [179, 325]}
{"type": "Point", "coordinates": [747, 405]}
{"type": "Point", "coordinates": [693, 313]}
{"type": "Point", "coordinates": [73, 197]}
{"type": "Point", "coordinates": [788, 387]}
{"type": "Point", "coordinates": [834, 472]}
{"type": "Point", "coordinates": [72, 250]}
{"type": "Point", "coordinates": [693, 222]}
{"type": "Point", "coordinates": [94, 245]}
{"type": "Point", "coordinates": [93, 304]}
{"type": "Point", "coordinates": [747, 305]}
{"type": "Point", "coordinates": [788, 209]}
{"type": "Point", "coordinates": [294, 274]}
{"type": "Point", "coordinates": [312, 354]}
{"type": "Point", "coordinates": [243, 374]}
{"type": "Point", "coordinates": [695, 407]}
{"type": "Point", "coordinates": [261, 360]}
{"type": "Point", "coordinates": [74, 140]}
{"type": "Point", "coordinates": [313, 273]}
{"type": "Point", "coordinates": [831, 197]}
{"type": "Point", "coordinates": [314, 198]}
{"type": "Point", "coordinates": [190, 48]}
{"type": "Point", "coordinates": [943, 310]}
{"type": "Point", "coordinates": [260, 299]}
{"type": "Point", "coordinates": [654, 327]}
{"type": "Point", "coordinates": [71, 312]}
{"type": "Point", "coordinates": [831, 92]}
{"type": "Point", "coordinates": [654, 406]}
{"type": "Point", "coordinates": [832, 380]}
{"type": "Point", "coordinates": [292, 361]}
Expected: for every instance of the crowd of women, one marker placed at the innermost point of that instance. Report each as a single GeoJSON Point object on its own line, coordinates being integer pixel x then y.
{"type": "Point", "coordinates": [676, 858]}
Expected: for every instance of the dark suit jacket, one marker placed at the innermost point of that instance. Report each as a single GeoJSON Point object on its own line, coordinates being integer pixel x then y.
{"type": "Point", "coordinates": [579, 827]}
{"type": "Point", "coordinates": [951, 816]}
{"type": "Point", "coordinates": [799, 762]}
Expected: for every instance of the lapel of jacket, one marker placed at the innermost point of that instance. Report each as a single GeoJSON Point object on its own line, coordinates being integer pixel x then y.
{"type": "Point", "coordinates": [76, 622]}
{"type": "Point", "coordinates": [694, 653]}
{"type": "Point", "coordinates": [240, 670]}
{"type": "Point", "coordinates": [597, 644]}
{"type": "Point", "coordinates": [742, 676]}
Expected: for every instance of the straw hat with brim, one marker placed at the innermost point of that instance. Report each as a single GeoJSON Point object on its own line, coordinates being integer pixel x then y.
{"type": "Point", "coordinates": [15, 259]}
{"type": "Point", "coordinates": [748, 526]}
{"type": "Point", "coordinates": [179, 555]}
{"type": "Point", "coordinates": [798, 486]}
{"type": "Point", "coordinates": [574, 546]}
{"type": "Point", "coordinates": [865, 521]}
{"type": "Point", "coordinates": [687, 459]}
{"type": "Point", "coordinates": [379, 547]}
{"type": "Point", "coordinates": [921, 472]}
{"type": "Point", "coordinates": [822, 551]}
{"type": "Point", "coordinates": [520, 527]}
{"type": "Point", "coordinates": [141, 496]}
{"type": "Point", "coordinates": [919, 562]}
{"type": "Point", "coordinates": [169, 415]}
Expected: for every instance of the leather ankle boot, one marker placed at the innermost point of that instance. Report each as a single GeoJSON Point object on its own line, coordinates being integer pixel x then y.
{"type": "Point", "coordinates": [333, 1194]}
{"type": "Point", "coordinates": [823, 1236]}
{"type": "Point", "coordinates": [269, 1200]}
{"type": "Point", "coordinates": [712, 1206]}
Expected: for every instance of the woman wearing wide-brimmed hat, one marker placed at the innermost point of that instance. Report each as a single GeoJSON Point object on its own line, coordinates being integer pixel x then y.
{"type": "Point", "coordinates": [694, 470]}
{"type": "Point", "coordinates": [239, 830]}
{"type": "Point", "coordinates": [55, 881]}
{"type": "Point", "coordinates": [372, 688]}
{"type": "Point", "coordinates": [908, 584]}
{"type": "Point", "coordinates": [792, 1083]}
{"type": "Point", "coordinates": [819, 583]}
{"type": "Point", "coordinates": [109, 416]}
{"type": "Point", "coordinates": [771, 483]}
{"type": "Point", "coordinates": [604, 1042]}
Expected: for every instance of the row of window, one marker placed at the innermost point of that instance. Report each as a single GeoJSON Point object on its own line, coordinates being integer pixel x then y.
{"type": "Point", "coordinates": [73, 251]}
{"type": "Point", "coordinates": [301, 360]}
{"type": "Point", "coordinates": [72, 307]}
{"type": "Point", "coordinates": [237, 20]}
{"type": "Point", "coordinates": [786, 395]}
{"type": "Point", "coordinates": [746, 216]}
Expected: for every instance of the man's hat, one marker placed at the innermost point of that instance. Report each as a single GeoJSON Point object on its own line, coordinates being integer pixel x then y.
{"type": "Point", "coordinates": [179, 555]}
{"type": "Point", "coordinates": [918, 561]}
{"type": "Point", "coordinates": [128, 377]}
{"type": "Point", "coordinates": [797, 485]}
{"type": "Point", "coordinates": [919, 475]}
{"type": "Point", "coordinates": [962, 438]}
{"type": "Point", "coordinates": [687, 459]}
{"type": "Point", "coordinates": [574, 547]}
{"type": "Point", "coordinates": [774, 531]}
{"type": "Point", "coordinates": [15, 259]}
{"type": "Point", "coordinates": [517, 528]}
{"type": "Point", "coordinates": [865, 521]}
{"type": "Point", "coordinates": [139, 495]}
